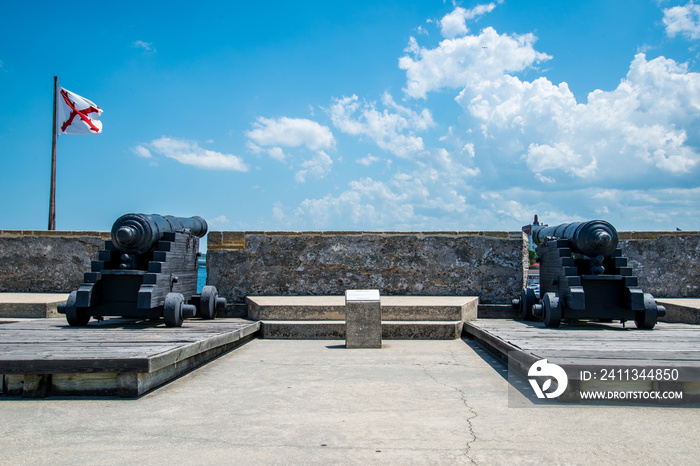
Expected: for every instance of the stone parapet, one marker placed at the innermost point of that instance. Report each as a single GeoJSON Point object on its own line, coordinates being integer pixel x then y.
{"type": "Point", "coordinates": [667, 263]}
{"type": "Point", "coordinates": [46, 261]}
{"type": "Point", "coordinates": [491, 265]}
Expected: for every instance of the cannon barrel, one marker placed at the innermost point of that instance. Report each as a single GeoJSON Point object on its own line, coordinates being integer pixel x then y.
{"type": "Point", "coordinates": [592, 238]}
{"type": "Point", "coordinates": [137, 233]}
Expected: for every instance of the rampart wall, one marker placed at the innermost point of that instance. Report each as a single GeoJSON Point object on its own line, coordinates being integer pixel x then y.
{"type": "Point", "coordinates": [486, 264]}
{"type": "Point", "coordinates": [41, 261]}
{"type": "Point", "coordinates": [667, 263]}
{"type": "Point", "coordinates": [491, 265]}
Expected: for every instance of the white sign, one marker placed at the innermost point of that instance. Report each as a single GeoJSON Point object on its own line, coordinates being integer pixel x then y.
{"type": "Point", "coordinates": [362, 295]}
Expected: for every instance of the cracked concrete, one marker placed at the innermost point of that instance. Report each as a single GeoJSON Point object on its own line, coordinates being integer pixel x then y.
{"type": "Point", "coordinates": [472, 414]}
{"type": "Point", "coordinates": [315, 402]}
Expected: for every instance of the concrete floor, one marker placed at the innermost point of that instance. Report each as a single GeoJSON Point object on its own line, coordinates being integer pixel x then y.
{"type": "Point", "coordinates": [316, 402]}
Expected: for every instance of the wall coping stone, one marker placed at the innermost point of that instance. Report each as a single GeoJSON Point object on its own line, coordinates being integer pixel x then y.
{"type": "Point", "coordinates": [235, 240]}
{"type": "Point", "coordinates": [54, 233]}
{"type": "Point", "coordinates": [652, 235]}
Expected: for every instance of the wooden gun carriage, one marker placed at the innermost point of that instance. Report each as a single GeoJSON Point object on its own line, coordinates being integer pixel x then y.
{"type": "Point", "coordinates": [147, 270]}
{"type": "Point", "coordinates": [583, 275]}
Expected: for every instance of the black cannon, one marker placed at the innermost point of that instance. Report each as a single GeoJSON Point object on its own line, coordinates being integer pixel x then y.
{"type": "Point", "coordinates": [147, 270]}
{"type": "Point", "coordinates": [583, 275]}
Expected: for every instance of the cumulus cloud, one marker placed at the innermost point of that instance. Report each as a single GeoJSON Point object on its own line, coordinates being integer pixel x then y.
{"type": "Point", "coordinates": [270, 135]}
{"type": "Point", "coordinates": [317, 167]}
{"type": "Point", "coordinates": [291, 132]}
{"type": "Point", "coordinates": [454, 24]}
{"type": "Point", "coordinates": [474, 58]}
{"type": "Point", "coordinates": [422, 198]}
{"type": "Point", "coordinates": [368, 160]}
{"type": "Point", "coordinates": [684, 20]}
{"type": "Point", "coordinates": [392, 129]}
{"type": "Point", "coordinates": [190, 153]}
{"type": "Point", "coordinates": [367, 202]}
{"type": "Point", "coordinates": [519, 147]}
{"type": "Point", "coordinates": [141, 151]}
{"type": "Point", "coordinates": [643, 124]}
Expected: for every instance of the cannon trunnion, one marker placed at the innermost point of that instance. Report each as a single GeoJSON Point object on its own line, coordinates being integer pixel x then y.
{"type": "Point", "coordinates": [147, 270]}
{"type": "Point", "coordinates": [583, 275]}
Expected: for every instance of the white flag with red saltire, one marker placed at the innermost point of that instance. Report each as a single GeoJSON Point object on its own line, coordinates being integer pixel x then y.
{"type": "Point", "coordinates": [77, 115]}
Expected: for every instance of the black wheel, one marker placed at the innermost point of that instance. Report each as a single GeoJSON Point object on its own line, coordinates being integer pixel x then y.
{"type": "Point", "coordinates": [76, 316]}
{"type": "Point", "coordinates": [172, 309]}
{"type": "Point", "coordinates": [552, 310]}
{"type": "Point", "coordinates": [527, 300]}
{"type": "Point", "coordinates": [207, 306]}
{"type": "Point", "coordinates": [647, 318]}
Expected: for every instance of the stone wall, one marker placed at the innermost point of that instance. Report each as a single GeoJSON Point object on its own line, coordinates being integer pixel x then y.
{"type": "Point", "coordinates": [667, 263]}
{"type": "Point", "coordinates": [46, 261]}
{"type": "Point", "coordinates": [490, 265]}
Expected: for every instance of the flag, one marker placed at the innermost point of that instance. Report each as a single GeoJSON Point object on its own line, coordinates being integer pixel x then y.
{"type": "Point", "coordinates": [77, 115]}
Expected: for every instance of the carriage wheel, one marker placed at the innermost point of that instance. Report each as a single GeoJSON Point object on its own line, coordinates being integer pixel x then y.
{"type": "Point", "coordinates": [552, 310]}
{"type": "Point", "coordinates": [647, 318]}
{"type": "Point", "coordinates": [207, 306]}
{"type": "Point", "coordinates": [527, 300]}
{"type": "Point", "coordinates": [172, 309]}
{"type": "Point", "coordinates": [76, 316]}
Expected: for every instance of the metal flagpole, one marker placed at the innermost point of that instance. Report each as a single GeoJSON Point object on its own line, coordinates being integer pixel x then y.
{"type": "Point", "coordinates": [52, 200]}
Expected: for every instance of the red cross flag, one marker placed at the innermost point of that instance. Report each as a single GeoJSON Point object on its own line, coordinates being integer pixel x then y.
{"type": "Point", "coordinates": [77, 115]}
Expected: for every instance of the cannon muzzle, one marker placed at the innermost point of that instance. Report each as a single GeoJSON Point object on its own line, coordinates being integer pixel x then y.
{"type": "Point", "coordinates": [592, 238]}
{"type": "Point", "coordinates": [137, 233]}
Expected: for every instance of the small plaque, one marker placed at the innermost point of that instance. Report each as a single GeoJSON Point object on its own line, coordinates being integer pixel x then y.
{"type": "Point", "coordinates": [362, 295]}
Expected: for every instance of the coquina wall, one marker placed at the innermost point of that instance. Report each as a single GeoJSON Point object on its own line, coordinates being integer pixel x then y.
{"type": "Point", "coordinates": [490, 265]}
{"type": "Point", "coordinates": [46, 261]}
{"type": "Point", "coordinates": [667, 263]}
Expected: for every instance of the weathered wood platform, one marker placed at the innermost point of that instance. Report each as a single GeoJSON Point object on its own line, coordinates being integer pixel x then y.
{"type": "Point", "coordinates": [595, 347]}
{"type": "Point", "coordinates": [119, 357]}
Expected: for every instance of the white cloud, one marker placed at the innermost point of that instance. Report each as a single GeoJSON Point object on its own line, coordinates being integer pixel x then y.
{"type": "Point", "coordinates": [370, 203]}
{"type": "Point", "coordinates": [457, 62]}
{"type": "Point", "coordinates": [391, 129]}
{"type": "Point", "coordinates": [189, 153]}
{"type": "Point", "coordinates": [454, 24]}
{"type": "Point", "coordinates": [684, 20]}
{"type": "Point", "coordinates": [631, 154]}
{"type": "Point", "coordinates": [145, 46]}
{"type": "Point", "coordinates": [317, 167]}
{"type": "Point", "coordinates": [559, 156]}
{"type": "Point", "coordinates": [291, 132]}
{"type": "Point", "coordinates": [419, 199]}
{"type": "Point", "coordinates": [368, 160]}
{"type": "Point", "coordinates": [277, 153]}
{"type": "Point", "coordinates": [271, 135]}
{"type": "Point", "coordinates": [643, 124]}
{"type": "Point", "coordinates": [219, 222]}
{"type": "Point", "coordinates": [141, 151]}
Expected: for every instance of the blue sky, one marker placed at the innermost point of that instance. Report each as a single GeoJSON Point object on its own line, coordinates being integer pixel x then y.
{"type": "Point", "coordinates": [356, 115]}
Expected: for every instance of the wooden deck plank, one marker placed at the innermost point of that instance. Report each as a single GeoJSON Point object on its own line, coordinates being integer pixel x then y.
{"type": "Point", "coordinates": [597, 345]}
{"type": "Point", "coordinates": [117, 345]}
